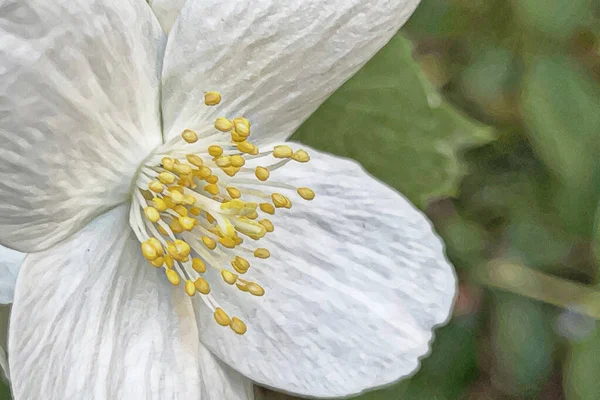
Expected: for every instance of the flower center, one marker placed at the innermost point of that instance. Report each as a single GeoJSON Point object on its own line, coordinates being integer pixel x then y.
{"type": "Point", "coordinates": [201, 203]}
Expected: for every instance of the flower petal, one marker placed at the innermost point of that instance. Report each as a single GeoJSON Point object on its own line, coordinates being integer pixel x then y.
{"type": "Point", "coordinates": [78, 112]}
{"type": "Point", "coordinates": [166, 11]}
{"type": "Point", "coordinates": [10, 262]}
{"type": "Point", "coordinates": [355, 284]}
{"type": "Point", "coordinates": [273, 61]}
{"type": "Point", "coordinates": [92, 319]}
{"type": "Point", "coordinates": [4, 316]}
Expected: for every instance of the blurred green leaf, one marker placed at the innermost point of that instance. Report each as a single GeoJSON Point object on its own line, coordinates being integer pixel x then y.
{"type": "Point", "coordinates": [582, 368]}
{"type": "Point", "coordinates": [560, 106]}
{"type": "Point", "coordinates": [4, 391]}
{"type": "Point", "coordinates": [389, 118]}
{"type": "Point", "coordinates": [523, 343]}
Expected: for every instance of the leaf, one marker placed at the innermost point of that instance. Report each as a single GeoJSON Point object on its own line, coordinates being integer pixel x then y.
{"type": "Point", "coordinates": [389, 118]}
{"type": "Point", "coordinates": [582, 368]}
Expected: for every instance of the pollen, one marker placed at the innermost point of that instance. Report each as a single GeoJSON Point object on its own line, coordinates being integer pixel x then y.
{"type": "Point", "coordinates": [201, 204]}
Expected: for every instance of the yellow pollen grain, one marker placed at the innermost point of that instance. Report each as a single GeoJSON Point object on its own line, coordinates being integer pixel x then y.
{"type": "Point", "coordinates": [215, 150]}
{"type": "Point", "coordinates": [181, 210]}
{"type": "Point", "coordinates": [183, 169]}
{"type": "Point", "coordinates": [236, 137]}
{"type": "Point", "coordinates": [157, 245]}
{"type": "Point", "coordinates": [189, 200]}
{"type": "Point", "coordinates": [194, 160]}
{"type": "Point", "coordinates": [267, 208]}
{"type": "Point", "coordinates": [262, 173]}
{"type": "Point", "coordinates": [210, 218]}
{"type": "Point", "coordinates": [175, 226]}
{"type": "Point", "coordinates": [167, 163]}
{"type": "Point", "coordinates": [195, 211]}
{"type": "Point", "coordinates": [187, 223]}
{"type": "Point", "coordinates": [198, 265]}
{"type": "Point", "coordinates": [169, 261]}
{"type": "Point", "coordinates": [227, 242]}
{"type": "Point", "coordinates": [267, 224]}
{"type": "Point", "coordinates": [301, 156]}
{"type": "Point", "coordinates": [242, 129]}
{"type": "Point", "coordinates": [162, 230]}
{"type": "Point", "coordinates": [212, 179]}
{"type": "Point", "coordinates": [306, 193]}
{"type": "Point", "coordinates": [212, 98]}
{"type": "Point", "coordinates": [238, 326]}
{"type": "Point", "coordinates": [233, 192]}
{"type": "Point", "coordinates": [155, 186]}
{"type": "Point", "coordinates": [223, 124]}
{"type": "Point", "coordinates": [221, 317]}
{"type": "Point", "coordinates": [212, 189]}
{"type": "Point", "coordinates": [281, 201]}
{"type": "Point", "coordinates": [228, 276]}
{"type": "Point", "coordinates": [255, 289]}
{"type": "Point", "coordinates": [203, 172]}
{"type": "Point", "coordinates": [159, 204]}
{"type": "Point", "coordinates": [189, 287]}
{"type": "Point", "coordinates": [223, 162]}
{"type": "Point", "coordinates": [209, 243]}
{"type": "Point", "coordinates": [237, 161]}
{"type": "Point", "coordinates": [149, 251]}
{"type": "Point", "coordinates": [152, 214]}
{"type": "Point", "coordinates": [172, 276]}
{"type": "Point", "coordinates": [231, 171]}
{"type": "Point", "coordinates": [189, 136]}
{"type": "Point", "coordinates": [242, 262]}
{"type": "Point", "coordinates": [262, 253]}
{"type": "Point", "coordinates": [166, 177]}
{"type": "Point", "coordinates": [282, 151]}
{"type": "Point", "coordinates": [202, 286]}
{"type": "Point", "coordinates": [182, 247]}
{"type": "Point", "coordinates": [252, 215]}
{"type": "Point", "coordinates": [157, 262]}
{"type": "Point", "coordinates": [245, 147]}
{"type": "Point", "coordinates": [176, 196]}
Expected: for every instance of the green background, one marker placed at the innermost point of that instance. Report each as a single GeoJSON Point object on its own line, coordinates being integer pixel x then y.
{"type": "Point", "coordinates": [486, 114]}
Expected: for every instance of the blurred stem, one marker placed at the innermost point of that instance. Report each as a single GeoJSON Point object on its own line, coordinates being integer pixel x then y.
{"type": "Point", "coordinates": [519, 279]}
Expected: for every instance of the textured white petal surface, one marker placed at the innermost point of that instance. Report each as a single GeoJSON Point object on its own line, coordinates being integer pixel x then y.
{"type": "Point", "coordinates": [92, 320]}
{"type": "Point", "coordinates": [10, 262]}
{"type": "Point", "coordinates": [274, 61]}
{"type": "Point", "coordinates": [356, 282]}
{"type": "Point", "coordinates": [166, 11]}
{"type": "Point", "coordinates": [78, 111]}
{"type": "Point", "coordinates": [4, 316]}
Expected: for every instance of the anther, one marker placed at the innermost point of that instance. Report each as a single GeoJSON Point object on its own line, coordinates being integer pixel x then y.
{"type": "Point", "coordinates": [223, 124]}
{"type": "Point", "coordinates": [301, 156]}
{"type": "Point", "coordinates": [233, 192]}
{"type": "Point", "coordinates": [306, 193]}
{"type": "Point", "coordinates": [194, 160]}
{"type": "Point", "coordinates": [221, 317]}
{"type": "Point", "coordinates": [152, 214]}
{"type": "Point", "coordinates": [159, 204]}
{"type": "Point", "coordinates": [267, 208]}
{"type": "Point", "coordinates": [212, 179]}
{"type": "Point", "coordinates": [262, 253]}
{"type": "Point", "coordinates": [183, 169]}
{"type": "Point", "coordinates": [155, 186]}
{"type": "Point", "coordinates": [281, 201]}
{"type": "Point", "coordinates": [202, 286]}
{"type": "Point", "coordinates": [166, 177]}
{"type": "Point", "coordinates": [267, 224]}
{"type": "Point", "coordinates": [228, 276]}
{"type": "Point", "coordinates": [172, 276]}
{"type": "Point", "coordinates": [189, 136]}
{"type": "Point", "coordinates": [209, 243]}
{"type": "Point", "coordinates": [198, 265]}
{"type": "Point", "coordinates": [212, 98]}
{"type": "Point", "coordinates": [215, 150]}
{"type": "Point", "coordinates": [255, 289]}
{"type": "Point", "coordinates": [262, 173]}
{"type": "Point", "coordinates": [238, 326]}
{"type": "Point", "coordinates": [187, 223]}
{"type": "Point", "coordinates": [212, 189]}
{"type": "Point", "coordinates": [282, 151]}
{"type": "Point", "coordinates": [237, 161]}
{"type": "Point", "coordinates": [149, 251]}
{"type": "Point", "coordinates": [189, 287]}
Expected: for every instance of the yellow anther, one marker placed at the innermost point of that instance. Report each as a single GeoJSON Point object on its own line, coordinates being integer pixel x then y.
{"type": "Point", "coordinates": [157, 262]}
{"type": "Point", "coordinates": [202, 286]}
{"type": "Point", "coordinates": [210, 218]}
{"type": "Point", "coordinates": [234, 193]}
{"type": "Point", "coordinates": [237, 161]}
{"type": "Point", "coordinates": [156, 186]}
{"type": "Point", "coordinates": [281, 201]}
{"type": "Point", "coordinates": [255, 289]}
{"type": "Point", "coordinates": [162, 230]}
{"type": "Point", "coordinates": [183, 249]}
{"type": "Point", "coordinates": [172, 276]}
{"type": "Point", "coordinates": [209, 243]}
{"type": "Point", "coordinates": [240, 264]}
{"type": "Point", "coordinates": [227, 242]}
{"type": "Point", "coordinates": [198, 265]}
{"type": "Point", "coordinates": [157, 245]}
{"type": "Point", "coordinates": [215, 150]}
{"type": "Point", "coordinates": [169, 261]}
{"type": "Point", "coordinates": [306, 193]}
{"type": "Point", "coordinates": [262, 173]}
{"type": "Point", "coordinates": [181, 210]}
{"type": "Point", "coordinates": [245, 147]}
{"type": "Point", "coordinates": [267, 224]}
{"type": "Point", "coordinates": [238, 326]}
{"type": "Point", "coordinates": [194, 160]}
{"type": "Point", "coordinates": [183, 169]}
{"type": "Point", "coordinates": [236, 137]}
{"type": "Point", "coordinates": [252, 215]}
{"type": "Point", "coordinates": [176, 226]}
{"type": "Point", "coordinates": [221, 317]}
{"type": "Point", "coordinates": [170, 203]}
{"type": "Point", "coordinates": [189, 136]}
{"type": "Point", "coordinates": [187, 223]}
{"type": "Point", "coordinates": [189, 200]}
{"type": "Point", "coordinates": [168, 163]}
{"type": "Point", "coordinates": [241, 121]}
{"type": "Point", "coordinates": [231, 171]}
{"type": "Point", "coordinates": [262, 253]}
{"type": "Point", "coordinates": [176, 197]}
{"type": "Point", "coordinates": [223, 162]}
{"type": "Point", "coordinates": [212, 189]}
{"type": "Point", "coordinates": [195, 211]}
{"type": "Point", "coordinates": [223, 124]}
{"type": "Point", "coordinates": [228, 276]}
{"type": "Point", "coordinates": [282, 151]}
{"type": "Point", "coordinates": [149, 251]}
{"type": "Point", "coordinates": [159, 204]}
{"type": "Point", "coordinates": [152, 214]}
{"type": "Point", "coordinates": [267, 208]}
{"type": "Point", "coordinates": [242, 286]}
{"type": "Point", "coordinates": [166, 177]}
{"type": "Point", "coordinates": [212, 98]}
{"type": "Point", "coordinates": [212, 179]}
{"type": "Point", "coordinates": [241, 128]}
{"type": "Point", "coordinates": [254, 151]}
{"type": "Point", "coordinates": [189, 287]}
{"type": "Point", "coordinates": [301, 156]}
{"type": "Point", "coordinates": [175, 188]}
{"type": "Point", "coordinates": [203, 172]}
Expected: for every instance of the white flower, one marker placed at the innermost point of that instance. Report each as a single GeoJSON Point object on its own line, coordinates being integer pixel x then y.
{"type": "Point", "coordinates": [93, 97]}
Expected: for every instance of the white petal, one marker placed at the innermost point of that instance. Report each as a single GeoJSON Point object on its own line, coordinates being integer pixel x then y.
{"type": "Point", "coordinates": [274, 61]}
{"type": "Point", "coordinates": [78, 112]}
{"type": "Point", "coordinates": [355, 284]}
{"type": "Point", "coordinates": [4, 316]}
{"type": "Point", "coordinates": [92, 320]}
{"type": "Point", "coordinates": [166, 11]}
{"type": "Point", "coordinates": [10, 262]}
